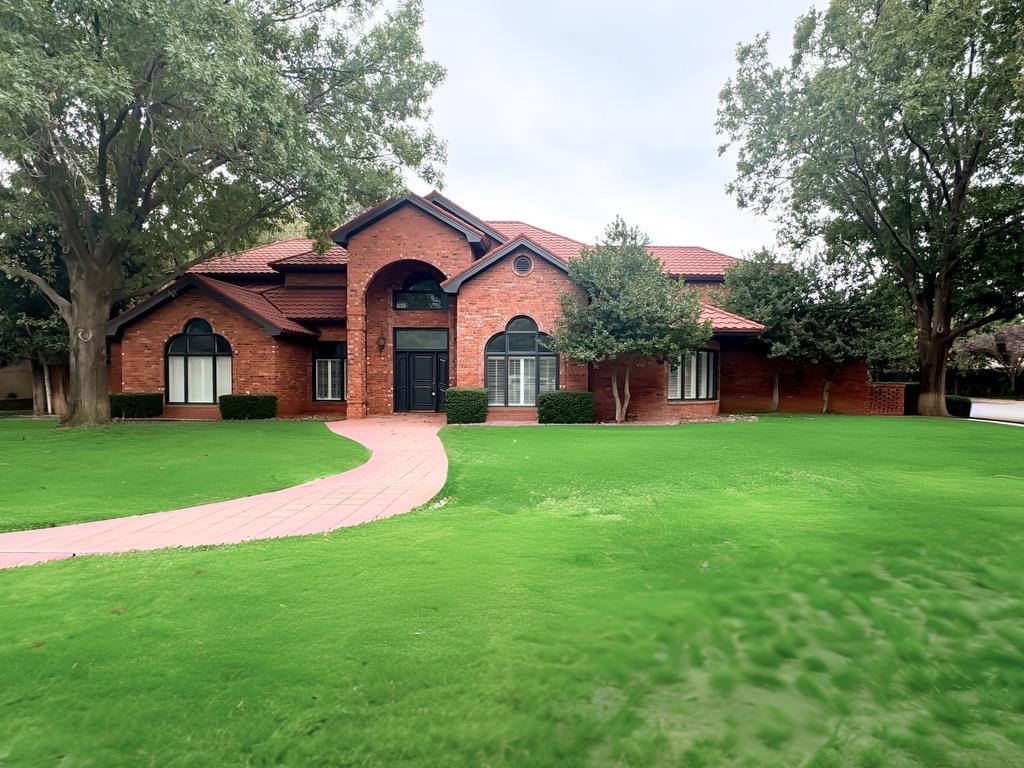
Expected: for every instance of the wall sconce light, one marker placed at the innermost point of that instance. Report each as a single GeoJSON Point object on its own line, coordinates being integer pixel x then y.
{"type": "Point", "coordinates": [381, 342]}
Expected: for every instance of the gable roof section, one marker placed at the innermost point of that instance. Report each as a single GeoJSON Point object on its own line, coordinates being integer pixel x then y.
{"type": "Point", "coordinates": [474, 236]}
{"type": "Point", "coordinates": [452, 284]}
{"type": "Point", "coordinates": [249, 303]}
{"type": "Point", "coordinates": [258, 260]}
{"type": "Point", "coordinates": [334, 259]}
{"type": "Point", "coordinates": [723, 322]}
{"type": "Point", "coordinates": [680, 260]}
{"type": "Point", "coordinates": [308, 303]}
{"type": "Point", "coordinates": [458, 211]}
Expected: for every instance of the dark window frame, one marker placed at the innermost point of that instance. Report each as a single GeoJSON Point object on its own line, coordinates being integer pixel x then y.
{"type": "Point", "coordinates": [537, 353]}
{"type": "Point", "coordinates": [217, 351]}
{"type": "Point", "coordinates": [340, 353]}
{"type": "Point", "coordinates": [409, 289]}
{"type": "Point", "coordinates": [445, 348]}
{"type": "Point", "coordinates": [713, 357]}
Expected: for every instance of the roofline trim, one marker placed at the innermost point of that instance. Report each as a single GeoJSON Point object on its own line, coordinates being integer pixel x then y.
{"type": "Point", "coordinates": [452, 285]}
{"type": "Point", "coordinates": [458, 211]}
{"type": "Point", "coordinates": [342, 234]}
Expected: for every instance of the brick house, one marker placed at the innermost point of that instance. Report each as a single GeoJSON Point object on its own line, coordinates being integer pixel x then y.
{"type": "Point", "coordinates": [417, 295]}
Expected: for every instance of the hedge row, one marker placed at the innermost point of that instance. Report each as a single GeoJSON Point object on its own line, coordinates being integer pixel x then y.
{"type": "Point", "coordinates": [248, 406]}
{"type": "Point", "coordinates": [136, 405]}
{"type": "Point", "coordinates": [565, 406]}
{"type": "Point", "coordinates": [466, 405]}
{"type": "Point", "coordinates": [959, 406]}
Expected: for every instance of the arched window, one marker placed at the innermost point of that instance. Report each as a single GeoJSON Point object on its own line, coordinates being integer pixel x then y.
{"type": "Point", "coordinates": [519, 364]}
{"type": "Point", "coordinates": [198, 365]}
{"type": "Point", "coordinates": [421, 292]}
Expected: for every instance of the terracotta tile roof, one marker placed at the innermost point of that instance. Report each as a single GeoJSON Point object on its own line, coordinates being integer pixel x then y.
{"type": "Point", "coordinates": [335, 256]}
{"type": "Point", "coordinates": [688, 261]}
{"type": "Point", "coordinates": [727, 322]}
{"type": "Point", "coordinates": [255, 303]}
{"type": "Point", "coordinates": [257, 261]}
{"type": "Point", "coordinates": [692, 261]}
{"type": "Point", "coordinates": [301, 303]}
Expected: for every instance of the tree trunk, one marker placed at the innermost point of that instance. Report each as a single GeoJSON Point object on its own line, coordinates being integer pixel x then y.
{"type": "Point", "coordinates": [932, 351]}
{"type": "Point", "coordinates": [621, 403]}
{"type": "Point", "coordinates": [775, 393]}
{"type": "Point", "coordinates": [625, 398]}
{"type": "Point", "coordinates": [87, 399]}
{"type": "Point", "coordinates": [38, 389]}
{"type": "Point", "coordinates": [825, 394]}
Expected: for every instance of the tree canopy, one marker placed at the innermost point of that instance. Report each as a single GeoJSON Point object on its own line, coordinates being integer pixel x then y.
{"type": "Point", "coordinates": [156, 134]}
{"type": "Point", "coordinates": [626, 306]}
{"type": "Point", "coordinates": [894, 137]}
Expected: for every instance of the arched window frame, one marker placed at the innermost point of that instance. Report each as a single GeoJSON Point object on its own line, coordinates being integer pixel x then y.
{"type": "Point", "coordinates": [519, 364]}
{"type": "Point", "coordinates": [195, 344]}
{"type": "Point", "coordinates": [422, 292]}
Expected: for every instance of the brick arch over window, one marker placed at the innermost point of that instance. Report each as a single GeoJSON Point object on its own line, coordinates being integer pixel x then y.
{"type": "Point", "coordinates": [198, 365]}
{"type": "Point", "coordinates": [519, 364]}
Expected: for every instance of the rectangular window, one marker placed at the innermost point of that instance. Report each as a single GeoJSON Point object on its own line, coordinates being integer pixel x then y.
{"type": "Point", "coordinates": [694, 376]}
{"type": "Point", "coordinates": [223, 376]}
{"type": "Point", "coordinates": [200, 379]}
{"type": "Point", "coordinates": [411, 339]}
{"type": "Point", "coordinates": [496, 378]}
{"type": "Point", "coordinates": [176, 379]}
{"type": "Point", "coordinates": [522, 380]}
{"type": "Point", "coordinates": [547, 374]}
{"type": "Point", "coordinates": [330, 379]}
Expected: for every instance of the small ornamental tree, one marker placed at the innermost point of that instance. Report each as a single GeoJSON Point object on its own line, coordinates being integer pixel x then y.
{"type": "Point", "coordinates": [627, 307]}
{"type": "Point", "coordinates": [1001, 350]}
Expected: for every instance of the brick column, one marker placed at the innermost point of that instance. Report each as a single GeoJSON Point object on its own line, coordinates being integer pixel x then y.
{"type": "Point", "coordinates": [356, 323]}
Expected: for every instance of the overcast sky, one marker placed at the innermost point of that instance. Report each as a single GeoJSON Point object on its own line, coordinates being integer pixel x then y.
{"type": "Point", "coordinates": [564, 113]}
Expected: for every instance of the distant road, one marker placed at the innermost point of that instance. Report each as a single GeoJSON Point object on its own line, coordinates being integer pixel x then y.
{"type": "Point", "coordinates": [998, 410]}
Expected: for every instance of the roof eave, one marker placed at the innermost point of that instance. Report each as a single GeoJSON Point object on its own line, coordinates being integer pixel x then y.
{"type": "Point", "coordinates": [342, 234]}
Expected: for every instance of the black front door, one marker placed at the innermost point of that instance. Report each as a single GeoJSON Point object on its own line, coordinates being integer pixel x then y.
{"type": "Point", "coordinates": [421, 379]}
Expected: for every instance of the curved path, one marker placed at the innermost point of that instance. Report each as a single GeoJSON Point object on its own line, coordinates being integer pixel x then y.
{"type": "Point", "coordinates": [407, 468]}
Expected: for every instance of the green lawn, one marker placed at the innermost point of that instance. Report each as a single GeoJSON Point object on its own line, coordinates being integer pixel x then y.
{"type": "Point", "coordinates": [52, 476]}
{"type": "Point", "coordinates": [830, 591]}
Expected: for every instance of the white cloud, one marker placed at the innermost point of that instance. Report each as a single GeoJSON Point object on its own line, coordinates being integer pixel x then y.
{"type": "Point", "coordinates": [565, 113]}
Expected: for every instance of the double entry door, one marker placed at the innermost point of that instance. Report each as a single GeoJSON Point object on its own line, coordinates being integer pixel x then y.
{"type": "Point", "coordinates": [421, 369]}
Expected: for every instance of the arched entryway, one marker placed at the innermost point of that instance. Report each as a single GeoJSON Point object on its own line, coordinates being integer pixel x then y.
{"type": "Point", "coordinates": [410, 326]}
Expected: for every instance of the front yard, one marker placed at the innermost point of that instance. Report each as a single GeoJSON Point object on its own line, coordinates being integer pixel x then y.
{"type": "Point", "coordinates": [52, 476]}
{"type": "Point", "coordinates": [815, 591]}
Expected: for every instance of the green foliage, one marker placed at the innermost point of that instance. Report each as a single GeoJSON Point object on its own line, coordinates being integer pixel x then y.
{"type": "Point", "coordinates": [817, 313]}
{"type": "Point", "coordinates": [958, 406]}
{"type": "Point", "coordinates": [238, 407]}
{"type": "Point", "coordinates": [30, 326]}
{"type": "Point", "coordinates": [466, 405]}
{"type": "Point", "coordinates": [136, 405]}
{"type": "Point", "coordinates": [565, 406]}
{"type": "Point", "coordinates": [157, 134]}
{"type": "Point", "coordinates": [894, 138]}
{"type": "Point", "coordinates": [629, 304]}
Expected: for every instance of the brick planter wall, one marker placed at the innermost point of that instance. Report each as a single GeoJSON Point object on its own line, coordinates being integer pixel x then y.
{"type": "Point", "coordinates": [886, 399]}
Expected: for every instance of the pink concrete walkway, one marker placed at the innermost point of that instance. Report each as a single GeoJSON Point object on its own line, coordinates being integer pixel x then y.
{"type": "Point", "coordinates": [407, 468]}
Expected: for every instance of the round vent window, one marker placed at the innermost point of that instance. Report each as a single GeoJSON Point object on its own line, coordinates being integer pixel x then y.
{"type": "Point", "coordinates": [522, 265]}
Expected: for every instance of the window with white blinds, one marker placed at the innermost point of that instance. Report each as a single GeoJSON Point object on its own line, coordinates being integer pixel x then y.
{"type": "Point", "coordinates": [198, 365]}
{"type": "Point", "coordinates": [694, 376]}
{"type": "Point", "coordinates": [329, 370]}
{"type": "Point", "coordinates": [519, 364]}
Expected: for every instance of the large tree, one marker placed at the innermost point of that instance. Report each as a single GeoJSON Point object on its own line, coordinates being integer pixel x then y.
{"type": "Point", "coordinates": [626, 307]}
{"type": "Point", "coordinates": [895, 136]}
{"type": "Point", "coordinates": [158, 134]}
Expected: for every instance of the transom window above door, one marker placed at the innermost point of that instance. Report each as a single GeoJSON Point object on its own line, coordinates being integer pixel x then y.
{"type": "Point", "coordinates": [198, 365]}
{"type": "Point", "coordinates": [519, 364]}
{"type": "Point", "coordinates": [421, 292]}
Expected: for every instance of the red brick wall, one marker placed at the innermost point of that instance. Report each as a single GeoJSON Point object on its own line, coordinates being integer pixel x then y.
{"type": "Point", "coordinates": [648, 394]}
{"type": "Point", "coordinates": [406, 234]}
{"type": "Point", "coordinates": [493, 297]}
{"type": "Point", "coordinates": [886, 399]}
{"type": "Point", "coordinates": [261, 364]}
{"type": "Point", "coordinates": [747, 375]}
{"type": "Point", "coordinates": [332, 279]}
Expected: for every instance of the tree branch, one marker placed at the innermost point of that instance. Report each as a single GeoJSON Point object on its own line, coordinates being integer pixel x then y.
{"type": "Point", "coordinates": [1004, 313]}
{"type": "Point", "coordinates": [62, 304]}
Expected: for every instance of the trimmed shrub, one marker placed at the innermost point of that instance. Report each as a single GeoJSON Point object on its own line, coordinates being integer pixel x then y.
{"type": "Point", "coordinates": [565, 406]}
{"type": "Point", "coordinates": [958, 406]}
{"type": "Point", "coordinates": [466, 405]}
{"type": "Point", "coordinates": [248, 406]}
{"type": "Point", "coordinates": [136, 405]}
